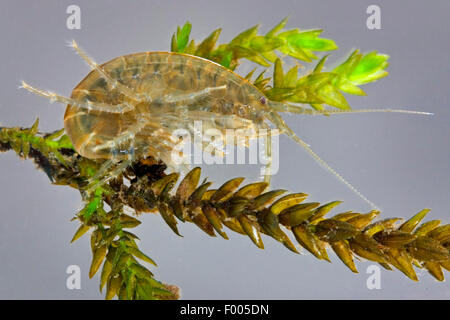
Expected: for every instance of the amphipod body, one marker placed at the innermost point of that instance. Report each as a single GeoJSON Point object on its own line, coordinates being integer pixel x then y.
{"type": "Point", "coordinates": [130, 107]}
{"type": "Point", "coordinates": [154, 94]}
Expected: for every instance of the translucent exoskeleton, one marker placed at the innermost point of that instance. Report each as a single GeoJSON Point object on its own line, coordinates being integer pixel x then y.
{"type": "Point", "coordinates": [128, 108]}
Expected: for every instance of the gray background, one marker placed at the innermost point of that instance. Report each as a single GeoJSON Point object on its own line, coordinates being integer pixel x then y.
{"type": "Point", "coordinates": [400, 162]}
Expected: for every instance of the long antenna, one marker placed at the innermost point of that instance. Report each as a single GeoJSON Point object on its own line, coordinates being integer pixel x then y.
{"type": "Point", "coordinates": [283, 127]}
{"type": "Point", "coordinates": [314, 112]}
{"type": "Point", "coordinates": [86, 105]}
{"type": "Point", "coordinates": [286, 107]}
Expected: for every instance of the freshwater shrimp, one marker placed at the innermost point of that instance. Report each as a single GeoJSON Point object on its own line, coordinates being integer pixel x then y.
{"type": "Point", "coordinates": [128, 108]}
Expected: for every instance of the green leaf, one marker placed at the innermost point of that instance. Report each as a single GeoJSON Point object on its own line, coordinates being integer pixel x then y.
{"type": "Point", "coordinates": [131, 285]}
{"type": "Point", "coordinates": [295, 52]}
{"type": "Point", "coordinates": [260, 77]}
{"type": "Point", "coordinates": [333, 97]}
{"type": "Point", "coordinates": [226, 59]}
{"type": "Point", "coordinates": [269, 56]}
{"type": "Point", "coordinates": [65, 142]}
{"type": "Point", "coordinates": [80, 232]}
{"type": "Point", "coordinates": [347, 67]}
{"type": "Point", "coordinates": [266, 198]}
{"type": "Point", "coordinates": [97, 259]}
{"type": "Point", "coordinates": [287, 202]}
{"type": "Point", "coordinates": [190, 49]}
{"type": "Point", "coordinates": [370, 68]}
{"type": "Point", "coordinates": [226, 190]}
{"type": "Point", "coordinates": [140, 255]}
{"type": "Point", "coordinates": [270, 224]}
{"type": "Point", "coordinates": [113, 287]}
{"type": "Point", "coordinates": [308, 240]}
{"type": "Point", "coordinates": [314, 33]}
{"type": "Point", "coordinates": [140, 271]}
{"type": "Point", "coordinates": [320, 64]}
{"type": "Point", "coordinates": [214, 219]}
{"type": "Point", "coordinates": [251, 230]}
{"type": "Point", "coordinates": [246, 36]}
{"type": "Point", "coordinates": [250, 54]}
{"type": "Point", "coordinates": [286, 34]}
{"type": "Point", "coordinates": [173, 43]}
{"type": "Point", "coordinates": [342, 250]}
{"type": "Point", "coordinates": [251, 190]}
{"type": "Point", "coordinates": [207, 45]}
{"type": "Point", "coordinates": [91, 207]}
{"type": "Point", "coordinates": [317, 106]}
{"type": "Point", "coordinates": [51, 136]}
{"type": "Point", "coordinates": [280, 94]}
{"type": "Point", "coordinates": [278, 74]}
{"type": "Point", "coordinates": [259, 59]}
{"type": "Point", "coordinates": [277, 28]}
{"type": "Point", "coordinates": [127, 221]}
{"type": "Point", "coordinates": [105, 274]}
{"type": "Point", "coordinates": [291, 77]}
{"type": "Point", "coordinates": [189, 183]}
{"type": "Point", "coordinates": [263, 44]}
{"type": "Point", "coordinates": [308, 40]}
{"type": "Point", "coordinates": [249, 75]}
{"type": "Point", "coordinates": [298, 213]}
{"type": "Point", "coordinates": [34, 127]}
{"type": "Point", "coordinates": [332, 230]}
{"type": "Point", "coordinates": [370, 63]}
{"type": "Point", "coordinates": [167, 214]}
{"type": "Point", "coordinates": [318, 44]}
{"type": "Point", "coordinates": [183, 36]}
{"type": "Point", "coordinates": [166, 182]}
{"type": "Point", "coordinates": [426, 227]}
{"type": "Point", "coordinates": [350, 88]}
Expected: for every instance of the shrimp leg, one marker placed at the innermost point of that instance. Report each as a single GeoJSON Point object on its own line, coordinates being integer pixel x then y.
{"type": "Point", "coordinates": [116, 146]}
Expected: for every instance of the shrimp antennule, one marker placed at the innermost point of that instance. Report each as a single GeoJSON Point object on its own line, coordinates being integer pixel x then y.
{"type": "Point", "coordinates": [87, 105]}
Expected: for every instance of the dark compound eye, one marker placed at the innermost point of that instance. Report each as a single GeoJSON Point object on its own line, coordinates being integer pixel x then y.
{"type": "Point", "coordinates": [262, 100]}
